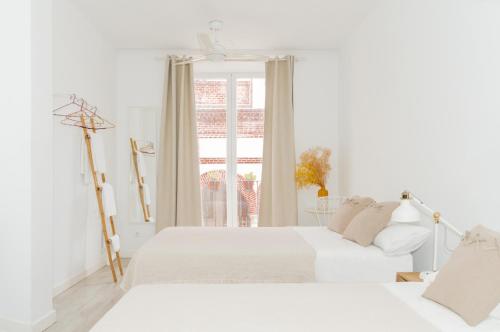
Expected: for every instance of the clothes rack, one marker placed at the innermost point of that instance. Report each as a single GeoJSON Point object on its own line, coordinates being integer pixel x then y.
{"type": "Point", "coordinates": [140, 179]}
{"type": "Point", "coordinates": [86, 118]}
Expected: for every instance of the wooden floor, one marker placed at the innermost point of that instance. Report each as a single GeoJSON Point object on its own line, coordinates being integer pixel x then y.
{"type": "Point", "coordinates": [81, 306]}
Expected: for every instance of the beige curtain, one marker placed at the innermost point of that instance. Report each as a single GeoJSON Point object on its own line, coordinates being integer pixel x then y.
{"type": "Point", "coordinates": [178, 175]}
{"type": "Point", "coordinates": [278, 204]}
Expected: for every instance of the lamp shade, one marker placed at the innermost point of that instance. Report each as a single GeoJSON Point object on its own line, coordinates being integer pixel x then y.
{"type": "Point", "coordinates": [405, 213]}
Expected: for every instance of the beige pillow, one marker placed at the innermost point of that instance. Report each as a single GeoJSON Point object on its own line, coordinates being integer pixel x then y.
{"type": "Point", "coordinates": [347, 211]}
{"type": "Point", "coordinates": [365, 226]}
{"type": "Point", "coordinates": [469, 283]}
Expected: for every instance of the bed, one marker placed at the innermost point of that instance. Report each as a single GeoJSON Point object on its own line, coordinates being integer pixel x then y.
{"type": "Point", "coordinates": [315, 307]}
{"type": "Point", "coordinates": [258, 255]}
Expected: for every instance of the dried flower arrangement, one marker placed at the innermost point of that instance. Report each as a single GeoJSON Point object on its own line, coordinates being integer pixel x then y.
{"type": "Point", "coordinates": [313, 169]}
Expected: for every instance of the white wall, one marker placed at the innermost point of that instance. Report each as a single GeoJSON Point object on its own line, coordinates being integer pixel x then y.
{"type": "Point", "coordinates": [420, 107]}
{"type": "Point", "coordinates": [84, 63]}
{"type": "Point", "coordinates": [15, 82]}
{"type": "Point", "coordinates": [140, 84]}
{"type": "Point", "coordinates": [26, 192]}
{"type": "Point", "coordinates": [42, 199]}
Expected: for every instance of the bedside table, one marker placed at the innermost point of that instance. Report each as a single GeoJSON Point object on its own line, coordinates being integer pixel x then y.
{"type": "Point", "coordinates": [322, 216]}
{"type": "Point", "coordinates": [408, 277]}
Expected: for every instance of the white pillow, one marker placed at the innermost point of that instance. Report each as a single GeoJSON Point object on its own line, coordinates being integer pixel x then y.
{"type": "Point", "coordinates": [399, 239]}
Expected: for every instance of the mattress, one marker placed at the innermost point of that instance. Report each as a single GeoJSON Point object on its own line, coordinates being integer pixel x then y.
{"type": "Point", "coordinates": [341, 260]}
{"type": "Point", "coordinates": [319, 307]}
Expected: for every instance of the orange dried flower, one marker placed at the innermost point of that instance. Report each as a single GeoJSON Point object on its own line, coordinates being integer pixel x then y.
{"type": "Point", "coordinates": [313, 168]}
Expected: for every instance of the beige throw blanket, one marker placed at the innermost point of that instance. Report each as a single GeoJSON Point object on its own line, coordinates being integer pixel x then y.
{"type": "Point", "coordinates": [315, 307]}
{"type": "Point", "coordinates": [222, 255]}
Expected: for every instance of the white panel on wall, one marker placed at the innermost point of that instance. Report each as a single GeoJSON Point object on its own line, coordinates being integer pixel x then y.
{"type": "Point", "coordinates": [26, 192]}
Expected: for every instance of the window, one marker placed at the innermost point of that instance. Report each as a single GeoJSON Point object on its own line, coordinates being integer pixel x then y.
{"type": "Point", "coordinates": [230, 125]}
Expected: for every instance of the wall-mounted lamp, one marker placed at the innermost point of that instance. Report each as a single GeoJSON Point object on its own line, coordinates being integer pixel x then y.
{"type": "Point", "coordinates": [407, 213]}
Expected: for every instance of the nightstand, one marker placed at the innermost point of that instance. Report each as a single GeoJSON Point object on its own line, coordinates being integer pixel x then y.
{"type": "Point", "coordinates": [408, 277]}
{"type": "Point", "coordinates": [322, 216]}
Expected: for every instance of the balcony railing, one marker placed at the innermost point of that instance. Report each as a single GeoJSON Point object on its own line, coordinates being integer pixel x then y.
{"type": "Point", "coordinates": [214, 202]}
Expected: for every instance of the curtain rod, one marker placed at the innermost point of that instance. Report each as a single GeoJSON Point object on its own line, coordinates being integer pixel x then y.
{"type": "Point", "coordinates": [258, 58]}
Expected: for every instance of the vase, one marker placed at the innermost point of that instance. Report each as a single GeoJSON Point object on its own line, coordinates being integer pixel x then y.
{"type": "Point", "coordinates": [322, 192]}
{"type": "Point", "coordinates": [322, 203]}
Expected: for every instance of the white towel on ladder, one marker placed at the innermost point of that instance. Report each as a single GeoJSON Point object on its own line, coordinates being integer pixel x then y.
{"type": "Point", "coordinates": [84, 163]}
{"type": "Point", "coordinates": [147, 194]}
{"type": "Point", "coordinates": [141, 166]}
{"type": "Point", "coordinates": [115, 242]}
{"type": "Point", "coordinates": [108, 200]}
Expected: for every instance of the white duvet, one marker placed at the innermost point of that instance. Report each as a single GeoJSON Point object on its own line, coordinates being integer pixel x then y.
{"type": "Point", "coordinates": [318, 307]}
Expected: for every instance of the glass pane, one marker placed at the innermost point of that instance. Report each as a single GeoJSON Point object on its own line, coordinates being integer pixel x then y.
{"type": "Point", "coordinates": [211, 108]}
{"type": "Point", "coordinates": [250, 100]}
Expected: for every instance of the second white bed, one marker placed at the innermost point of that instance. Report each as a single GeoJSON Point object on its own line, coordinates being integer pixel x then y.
{"type": "Point", "coordinates": [259, 255]}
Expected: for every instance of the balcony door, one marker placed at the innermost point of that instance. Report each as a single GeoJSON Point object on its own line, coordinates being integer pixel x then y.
{"type": "Point", "coordinates": [230, 126]}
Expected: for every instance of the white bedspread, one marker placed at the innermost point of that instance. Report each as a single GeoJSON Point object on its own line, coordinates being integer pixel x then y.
{"type": "Point", "coordinates": [222, 255]}
{"type": "Point", "coordinates": [340, 260]}
{"type": "Point", "coordinates": [262, 308]}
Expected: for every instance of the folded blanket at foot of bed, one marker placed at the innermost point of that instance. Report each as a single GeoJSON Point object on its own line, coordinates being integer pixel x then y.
{"type": "Point", "coordinates": [222, 255]}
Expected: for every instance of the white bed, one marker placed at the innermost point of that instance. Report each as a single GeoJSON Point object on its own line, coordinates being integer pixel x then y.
{"type": "Point", "coordinates": [259, 255]}
{"type": "Point", "coordinates": [318, 307]}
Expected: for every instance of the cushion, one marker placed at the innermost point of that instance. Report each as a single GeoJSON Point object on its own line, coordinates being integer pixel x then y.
{"type": "Point", "coordinates": [469, 283]}
{"type": "Point", "coordinates": [344, 214]}
{"type": "Point", "coordinates": [368, 223]}
{"type": "Point", "coordinates": [400, 239]}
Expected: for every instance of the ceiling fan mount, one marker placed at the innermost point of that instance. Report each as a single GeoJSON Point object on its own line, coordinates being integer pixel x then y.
{"type": "Point", "coordinates": [215, 25]}
{"type": "Point", "coordinates": [216, 52]}
{"type": "Point", "coordinates": [213, 50]}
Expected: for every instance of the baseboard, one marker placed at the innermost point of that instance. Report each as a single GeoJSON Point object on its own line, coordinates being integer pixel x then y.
{"type": "Point", "coordinates": [7, 325]}
{"type": "Point", "coordinates": [77, 278]}
{"type": "Point", "coordinates": [44, 322]}
{"type": "Point", "coordinates": [37, 326]}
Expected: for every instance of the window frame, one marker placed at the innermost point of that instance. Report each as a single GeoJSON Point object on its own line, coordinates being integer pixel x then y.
{"type": "Point", "coordinates": [231, 141]}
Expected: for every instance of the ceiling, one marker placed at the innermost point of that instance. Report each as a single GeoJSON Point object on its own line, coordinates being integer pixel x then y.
{"type": "Point", "coordinates": [249, 24]}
